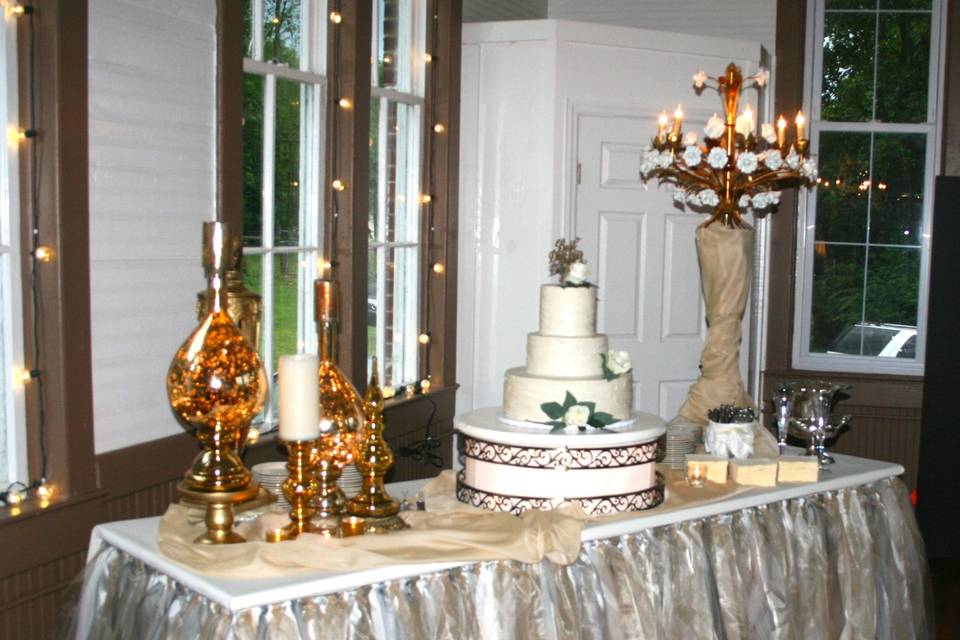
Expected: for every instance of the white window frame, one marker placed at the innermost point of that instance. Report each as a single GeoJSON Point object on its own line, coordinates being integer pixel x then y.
{"type": "Point", "coordinates": [15, 424]}
{"type": "Point", "coordinates": [803, 358]}
{"type": "Point", "coordinates": [312, 123]}
{"type": "Point", "coordinates": [408, 312]}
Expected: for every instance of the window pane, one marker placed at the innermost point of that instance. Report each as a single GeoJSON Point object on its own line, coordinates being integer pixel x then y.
{"type": "Point", "coordinates": [253, 280]}
{"type": "Point", "coordinates": [394, 303]}
{"type": "Point", "coordinates": [837, 293]}
{"type": "Point", "coordinates": [394, 40]}
{"type": "Point", "coordinates": [373, 211]}
{"type": "Point", "coordinates": [287, 169]}
{"type": "Point", "coordinates": [905, 4]}
{"type": "Point", "coordinates": [248, 27]}
{"type": "Point", "coordinates": [395, 140]}
{"type": "Point", "coordinates": [848, 48]}
{"type": "Point", "coordinates": [893, 277]}
{"type": "Point", "coordinates": [903, 67]}
{"type": "Point", "coordinates": [252, 160]}
{"type": "Point", "coordinates": [281, 31]}
{"type": "Point", "coordinates": [896, 214]}
{"type": "Point", "coordinates": [841, 190]}
{"type": "Point", "coordinates": [851, 4]}
{"type": "Point", "coordinates": [285, 296]}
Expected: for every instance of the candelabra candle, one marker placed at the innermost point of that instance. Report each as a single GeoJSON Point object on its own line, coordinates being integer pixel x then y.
{"type": "Point", "coordinates": [299, 488]}
{"type": "Point", "coordinates": [733, 171]}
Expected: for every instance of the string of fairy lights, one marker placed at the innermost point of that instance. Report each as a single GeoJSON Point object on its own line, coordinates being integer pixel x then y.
{"type": "Point", "coordinates": [19, 491]}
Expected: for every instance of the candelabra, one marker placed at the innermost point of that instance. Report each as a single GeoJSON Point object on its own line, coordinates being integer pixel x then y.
{"type": "Point", "coordinates": [732, 170]}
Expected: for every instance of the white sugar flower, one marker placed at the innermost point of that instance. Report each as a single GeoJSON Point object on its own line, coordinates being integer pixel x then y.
{"type": "Point", "coordinates": [576, 273]}
{"type": "Point", "coordinates": [773, 159]}
{"type": "Point", "coordinates": [690, 138]}
{"type": "Point", "coordinates": [577, 416]}
{"type": "Point", "coordinates": [793, 159]}
{"type": "Point", "coordinates": [692, 156]}
{"type": "Point", "coordinates": [714, 128]}
{"type": "Point", "coordinates": [709, 198]}
{"type": "Point", "coordinates": [666, 159]}
{"type": "Point", "coordinates": [747, 162]}
{"type": "Point", "coordinates": [774, 197]}
{"type": "Point", "coordinates": [768, 133]}
{"type": "Point", "coordinates": [699, 78]}
{"type": "Point", "coordinates": [761, 200]}
{"type": "Point", "coordinates": [679, 196]}
{"type": "Point", "coordinates": [808, 169]}
{"type": "Point", "coordinates": [744, 202]}
{"type": "Point", "coordinates": [762, 77]}
{"type": "Point", "coordinates": [618, 362]}
{"type": "Point", "coordinates": [693, 199]}
{"type": "Point", "coordinates": [647, 168]}
{"type": "Point", "coordinates": [717, 158]}
{"type": "Point", "coordinates": [745, 125]}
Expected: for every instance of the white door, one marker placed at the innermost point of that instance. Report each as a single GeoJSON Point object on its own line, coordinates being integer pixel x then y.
{"type": "Point", "coordinates": [641, 251]}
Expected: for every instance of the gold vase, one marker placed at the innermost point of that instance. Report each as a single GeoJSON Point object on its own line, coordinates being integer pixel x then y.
{"type": "Point", "coordinates": [216, 383]}
{"type": "Point", "coordinates": [341, 413]}
{"type": "Point", "coordinates": [373, 460]}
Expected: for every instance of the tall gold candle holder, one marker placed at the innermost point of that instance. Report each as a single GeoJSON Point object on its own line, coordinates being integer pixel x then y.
{"type": "Point", "coordinates": [300, 488]}
{"type": "Point", "coordinates": [341, 413]}
{"type": "Point", "coordinates": [374, 459]}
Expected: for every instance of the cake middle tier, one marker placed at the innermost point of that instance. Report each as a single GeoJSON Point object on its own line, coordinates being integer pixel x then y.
{"type": "Point", "coordinates": [523, 393]}
{"type": "Point", "coordinates": [565, 357]}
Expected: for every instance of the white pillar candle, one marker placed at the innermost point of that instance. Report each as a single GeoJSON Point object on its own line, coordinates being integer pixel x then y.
{"type": "Point", "coordinates": [299, 397]}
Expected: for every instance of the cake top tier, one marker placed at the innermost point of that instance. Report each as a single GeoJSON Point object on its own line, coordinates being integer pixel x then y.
{"type": "Point", "coordinates": [568, 311]}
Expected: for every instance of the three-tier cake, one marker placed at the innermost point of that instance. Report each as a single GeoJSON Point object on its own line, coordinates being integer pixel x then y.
{"type": "Point", "coordinates": [566, 430]}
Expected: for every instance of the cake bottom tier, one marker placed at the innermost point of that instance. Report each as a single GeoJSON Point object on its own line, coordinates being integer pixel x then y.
{"type": "Point", "coordinates": [523, 394]}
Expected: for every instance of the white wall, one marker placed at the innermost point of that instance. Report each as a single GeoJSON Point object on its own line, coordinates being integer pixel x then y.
{"type": "Point", "coordinates": [152, 182]}
{"type": "Point", "coordinates": [753, 20]}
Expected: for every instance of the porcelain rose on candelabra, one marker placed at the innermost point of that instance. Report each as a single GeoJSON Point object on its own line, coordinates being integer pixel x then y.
{"type": "Point", "coordinates": [733, 170]}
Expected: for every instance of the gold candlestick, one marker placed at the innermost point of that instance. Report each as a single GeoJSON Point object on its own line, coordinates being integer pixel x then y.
{"type": "Point", "coordinates": [299, 488]}
{"type": "Point", "coordinates": [373, 460]}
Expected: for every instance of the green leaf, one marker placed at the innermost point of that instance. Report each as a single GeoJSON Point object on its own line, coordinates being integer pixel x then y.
{"type": "Point", "coordinates": [553, 410]}
{"type": "Point", "coordinates": [608, 375]}
{"type": "Point", "coordinates": [601, 419]}
{"type": "Point", "coordinates": [569, 401]}
{"type": "Point", "coordinates": [557, 426]}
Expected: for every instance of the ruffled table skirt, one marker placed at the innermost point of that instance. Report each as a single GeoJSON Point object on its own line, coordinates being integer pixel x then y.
{"type": "Point", "coordinates": [838, 564]}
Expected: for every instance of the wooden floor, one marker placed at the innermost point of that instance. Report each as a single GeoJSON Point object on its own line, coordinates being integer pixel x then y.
{"type": "Point", "coordinates": [946, 596]}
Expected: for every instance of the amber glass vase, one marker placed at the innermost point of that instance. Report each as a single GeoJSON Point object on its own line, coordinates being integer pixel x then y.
{"type": "Point", "coordinates": [341, 411]}
{"type": "Point", "coordinates": [216, 383]}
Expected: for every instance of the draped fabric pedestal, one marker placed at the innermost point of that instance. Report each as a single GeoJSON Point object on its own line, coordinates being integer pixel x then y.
{"type": "Point", "coordinates": [840, 558]}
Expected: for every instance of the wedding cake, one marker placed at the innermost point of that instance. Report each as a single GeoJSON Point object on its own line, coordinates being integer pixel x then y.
{"type": "Point", "coordinates": [566, 430]}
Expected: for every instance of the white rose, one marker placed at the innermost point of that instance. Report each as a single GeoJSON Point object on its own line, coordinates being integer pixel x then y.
{"type": "Point", "coordinates": [761, 200]}
{"type": "Point", "coordinates": [773, 159]}
{"type": "Point", "coordinates": [679, 196]}
{"type": "Point", "coordinates": [699, 78]}
{"type": "Point", "coordinates": [768, 132]}
{"type": "Point", "coordinates": [717, 158]}
{"type": "Point", "coordinates": [665, 159]}
{"type": "Point", "coordinates": [577, 416]}
{"type": "Point", "coordinates": [762, 77]}
{"type": "Point", "coordinates": [774, 197]}
{"type": "Point", "coordinates": [693, 199]}
{"type": "Point", "coordinates": [618, 362]}
{"type": "Point", "coordinates": [646, 168]}
{"type": "Point", "coordinates": [808, 169]}
{"type": "Point", "coordinates": [745, 125]}
{"type": "Point", "coordinates": [576, 273]}
{"type": "Point", "coordinates": [747, 162]}
{"type": "Point", "coordinates": [690, 138]}
{"type": "Point", "coordinates": [744, 202]}
{"type": "Point", "coordinates": [692, 156]}
{"type": "Point", "coordinates": [793, 159]}
{"type": "Point", "coordinates": [714, 128]}
{"type": "Point", "coordinates": [709, 197]}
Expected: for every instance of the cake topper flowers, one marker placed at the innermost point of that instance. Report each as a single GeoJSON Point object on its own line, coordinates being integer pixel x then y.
{"type": "Point", "coordinates": [733, 170]}
{"type": "Point", "coordinates": [573, 413]}
{"type": "Point", "coordinates": [567, 263]}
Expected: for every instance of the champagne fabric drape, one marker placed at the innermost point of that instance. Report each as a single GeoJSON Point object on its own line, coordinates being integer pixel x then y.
{"type": "Point", "coordinates": [840, 564]}
{"type": "Point", "coordinates": [726, 271]}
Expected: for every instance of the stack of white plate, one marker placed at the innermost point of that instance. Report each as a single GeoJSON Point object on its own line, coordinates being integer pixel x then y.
{"type": "Point", "coordinates": [681, 440]}
{"type": "Point", "coordinates": [271, 475]}
{"type": "Point", "coordinates": [350, 481]}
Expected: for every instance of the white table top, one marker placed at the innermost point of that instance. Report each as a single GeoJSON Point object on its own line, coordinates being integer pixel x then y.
{"type": "Point", "coordinates": [139, 539]}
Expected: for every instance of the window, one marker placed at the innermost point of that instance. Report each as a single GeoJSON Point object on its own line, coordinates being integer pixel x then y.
{"type": "Point", "coordinates": [284, 97]}
{"type": "Point", "coordinates": [873, 88]}
{"type": "Point", "coordinates": [12, 422]}
{"type": "Point", "coordinates": [396, 123]}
